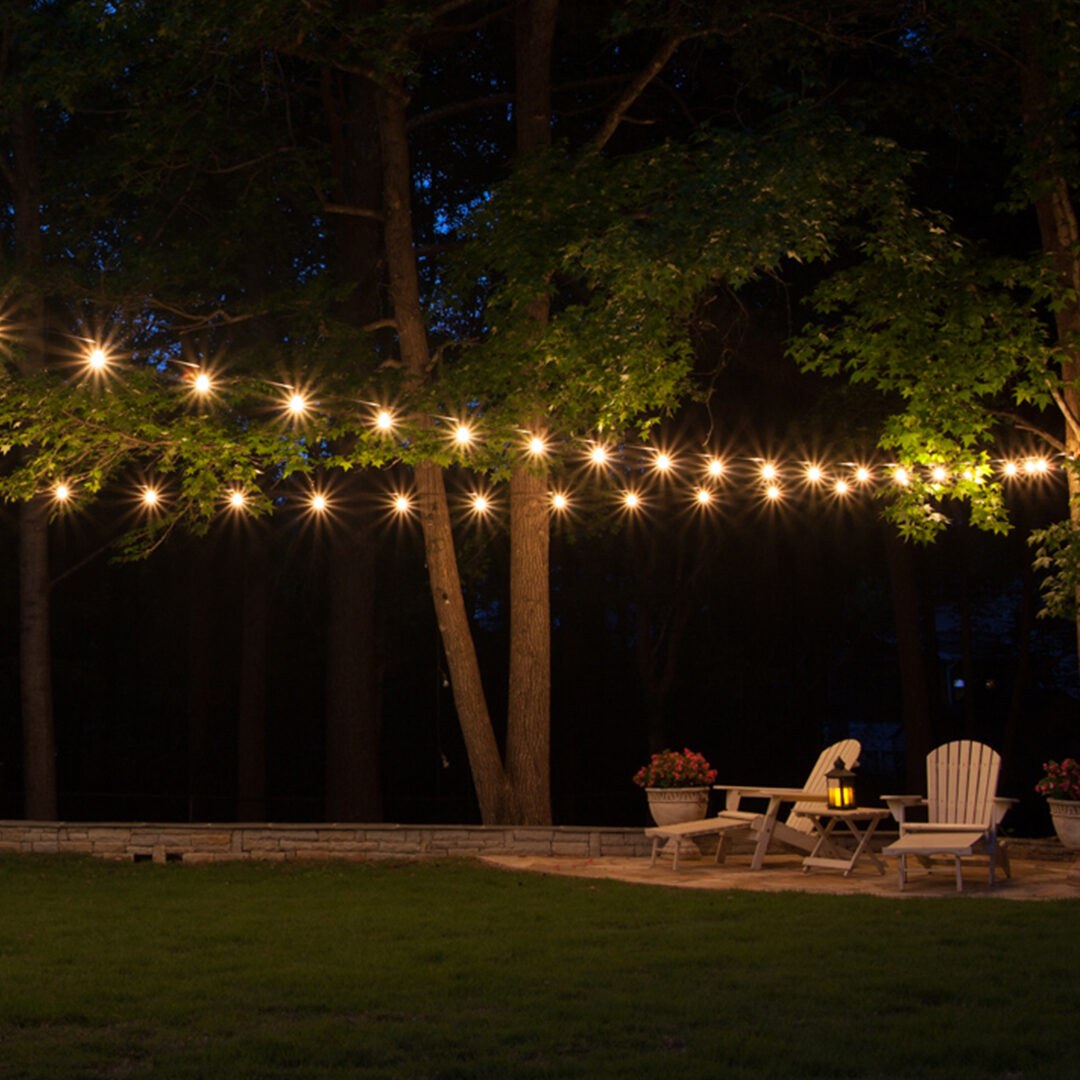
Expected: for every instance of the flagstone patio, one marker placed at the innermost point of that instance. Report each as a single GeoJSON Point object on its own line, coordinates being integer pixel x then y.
{"type": "Point", "coordinates": [1032, 879]}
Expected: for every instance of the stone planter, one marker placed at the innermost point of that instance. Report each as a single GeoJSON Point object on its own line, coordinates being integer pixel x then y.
{"type": "Point", "coordinates": [1065, 814]}
{"type": "Point", "coordinates": [670, 806]}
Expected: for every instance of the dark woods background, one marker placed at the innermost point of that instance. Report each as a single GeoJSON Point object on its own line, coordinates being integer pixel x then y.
{"type": "Point", "coordinates": [202, 683]}
{"type": "Point", "coordinates": [193, 685]}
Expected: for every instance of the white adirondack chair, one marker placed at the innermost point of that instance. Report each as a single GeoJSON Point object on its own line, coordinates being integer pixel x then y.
{"type": "Point", "coordinates": [963, 811]}
{"type": "Point", "coordinates": [762, 825]}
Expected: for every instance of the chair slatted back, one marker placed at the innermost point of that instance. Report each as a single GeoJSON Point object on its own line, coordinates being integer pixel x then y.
{"type": "Point", "coordinates": [848, 751]}
{"type": "Point", "coordinates": [961, 782]}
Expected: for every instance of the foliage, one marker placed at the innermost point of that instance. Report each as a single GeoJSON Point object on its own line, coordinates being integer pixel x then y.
{"type": "Point", "coordinates": [625, 249]}
{"type": "Point", "coordinates": [672, 769]}
{"type": "Point", "coordinates": [1062, 780]}
{"type": "Point", "coordinates": [957, 339]}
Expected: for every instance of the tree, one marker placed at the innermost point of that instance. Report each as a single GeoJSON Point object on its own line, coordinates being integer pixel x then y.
{"type": "Point", "coordinates": [972, 342]}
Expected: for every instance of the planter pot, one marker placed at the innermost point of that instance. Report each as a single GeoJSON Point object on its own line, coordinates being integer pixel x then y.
{"type": "Point", "coordinates": [669, 806]}
{"type": "Point", "coordinates": [1065, 814]}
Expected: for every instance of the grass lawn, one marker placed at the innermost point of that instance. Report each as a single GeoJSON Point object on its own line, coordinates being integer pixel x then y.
{"type": "Point", "coordinates": [446, 969]}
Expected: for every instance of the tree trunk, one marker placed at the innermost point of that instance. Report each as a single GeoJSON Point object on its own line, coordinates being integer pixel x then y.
{"type": "Point", "coordinates": [353, 724]}
{"type": "Point", "coordinates": [528, 732]}
{"type": "Point", "coordinates": [200, 673]}
{"type": "Point", "coordinates": [913, 683]}
{"type": "Point", "coordinates": [35, 665]}
{"type": "Point", "coordinates": [1049, 145]}
{"type": "Point", "coordinates": [489, 776]}
{"type": "Point", "coordinates": [251, 723]}
{"type": "Point", "coordinates": [353, 773]}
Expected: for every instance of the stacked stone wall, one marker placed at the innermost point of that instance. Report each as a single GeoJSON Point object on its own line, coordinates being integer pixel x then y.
{"type": "Point", "coordinates": [221, 843]}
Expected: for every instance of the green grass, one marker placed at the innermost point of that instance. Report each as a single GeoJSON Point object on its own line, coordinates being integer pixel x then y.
{"type": "Point", "coordinates": [449, 970]}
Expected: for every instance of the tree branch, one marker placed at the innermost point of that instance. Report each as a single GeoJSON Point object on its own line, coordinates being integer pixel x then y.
{"type": "Point", "coordinates": [634, 91]}
{"type": "Point", "coordinates": [443, 111]}
{"type": "Point", "coordinates": [352, 211]}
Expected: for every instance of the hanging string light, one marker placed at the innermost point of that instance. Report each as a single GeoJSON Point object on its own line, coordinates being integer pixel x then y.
{"type": "Point", "coordinates": [844, 478]}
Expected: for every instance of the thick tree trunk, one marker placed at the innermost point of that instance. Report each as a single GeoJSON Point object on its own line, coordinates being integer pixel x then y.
{"type": "Point", "coordinates": [489, 776]}
{"type": "Point", "coordinates": [353, 724]}
{"type": "Point", "coordinates": [35, 665]}
{"type": "Point", "coordinates": [528, 736]}
{"type": "Point", "coordinates": [528, 732]}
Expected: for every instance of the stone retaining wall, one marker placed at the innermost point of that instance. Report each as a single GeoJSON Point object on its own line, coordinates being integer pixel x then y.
{"type": "Point", "coordinates": [219, 843]}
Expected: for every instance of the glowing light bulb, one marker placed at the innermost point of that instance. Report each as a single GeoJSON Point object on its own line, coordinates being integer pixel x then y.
{"type": "Point", "coordinates": [559, 501]}
{"type": "Point", "coordinates": [1011, 468]}
{"type": "Point", "coordinates": [297, 404]}
{"type": "Point", "coordinates": [202, 383]}
{"type": "Point", "coordinates": [813, 474]}
{"type": "Point", "coordinates": [768, 471]}
{"type": "Point", "coordinates": [703, 496]}
{"type": "Point", "coordinates": [900, 475]}
{"type": "Point", "coordinates": [537, 445]}
{"type": "Point", "coordinates": [663, 462]}
{"type": "Point", "coordinates": [318, 503]}
{"type": "Point", "coordinates": [150, 497]}
{"type": "Point", "coordinates": [716, 467]}
{"type": "Point", "coordinates": [599, 455]}
{"type": "Point", "coordinates": [841, 487]}
{"type": "Point", "coordinates": [1039, 465]}
{"type": "Point", "coordinates": [96, 358]}
{"type": "Point", "coordinates": [401, 504]}
{"type": "Point", "coordinates": [462, 435]}
{"type": "Point", "coordinates": [862, 474]}
{"type": "Point", "coordinates": [237, 499]}
{"type": "Point", "coordinates": [480, 504]}
{"type": "Point", "coordinates": [939, 474]}
{"type": "Point", "coordinates": [62, 492]}
{"type": "Point", "coordinates": [631, 501]}
{"type": "Point", "coordinates": [772, 491]}
{"type": "Point", "coordinates": [384, 421]}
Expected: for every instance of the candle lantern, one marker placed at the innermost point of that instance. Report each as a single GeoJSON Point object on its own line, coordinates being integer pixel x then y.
{"type": "Point", "coordinates": [840, 787]}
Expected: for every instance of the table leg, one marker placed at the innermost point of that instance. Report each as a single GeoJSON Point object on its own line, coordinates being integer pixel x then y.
{"type": "Point", "coordinates": [768, 827]}
{"type": "Point", "coordinates": [861, 848]}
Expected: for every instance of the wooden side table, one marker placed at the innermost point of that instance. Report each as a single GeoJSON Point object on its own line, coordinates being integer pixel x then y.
{"type": "Point", "coordinates": [827, 854]}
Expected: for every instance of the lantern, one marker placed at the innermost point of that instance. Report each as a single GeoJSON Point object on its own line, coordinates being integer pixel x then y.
{"type": "Point", "coordinates": [840, 787]}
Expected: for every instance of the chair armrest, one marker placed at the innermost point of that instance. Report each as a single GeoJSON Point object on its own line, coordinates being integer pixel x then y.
{"type": "Point", "coordinates": [1001, 808]}
{"type": "Point", "coordinates": [735, 794]}
{"type": "Point", "coordinates": [898, 804]}
{"type": "Point", "coordinates": [753, 791]}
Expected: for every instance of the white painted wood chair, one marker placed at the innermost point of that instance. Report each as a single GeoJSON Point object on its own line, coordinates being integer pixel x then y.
{"type": "Point", "coordinates": [763, 826]}
{"type": "Point", "coordinates": [963, 812]}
